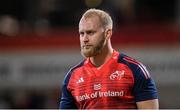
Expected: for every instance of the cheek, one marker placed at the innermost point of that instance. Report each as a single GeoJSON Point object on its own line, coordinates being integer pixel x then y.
{"type": "Point", "coordinates": [80, 40]}
{"type": "Point", "coordinates": [98, 39]}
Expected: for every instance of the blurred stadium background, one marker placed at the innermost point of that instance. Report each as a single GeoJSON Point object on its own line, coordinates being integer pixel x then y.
{"type": "Point", "coordinates": [39, 43]}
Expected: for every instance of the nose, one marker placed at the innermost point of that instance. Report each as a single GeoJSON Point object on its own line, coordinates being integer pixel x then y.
{"type": "Point", "coordinates": [85, 38]}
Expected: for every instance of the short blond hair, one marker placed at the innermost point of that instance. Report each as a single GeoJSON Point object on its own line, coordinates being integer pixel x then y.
{"type": "Point", "coordinates": [104, 17]}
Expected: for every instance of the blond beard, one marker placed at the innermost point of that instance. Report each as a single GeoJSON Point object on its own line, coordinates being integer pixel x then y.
{"type": "Point", "coordinates": [93, 51]}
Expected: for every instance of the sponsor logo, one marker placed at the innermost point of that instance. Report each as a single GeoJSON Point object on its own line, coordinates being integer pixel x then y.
{"type": "Point", "coordinates": [97, 94]}
{"type": "Point", "coordinates": [80, 80]}
{"type": "Point", "coordinates": [118, 75]}
{"type": "Point", "coordinates": [97, 86]}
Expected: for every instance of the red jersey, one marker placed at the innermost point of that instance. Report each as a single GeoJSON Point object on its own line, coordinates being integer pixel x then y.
{"type": "Point", "coordinates": [119, 83]}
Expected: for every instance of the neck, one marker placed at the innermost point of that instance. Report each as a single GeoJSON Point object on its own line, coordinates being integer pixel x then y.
{"type": "Point", "coordinates": [103, 57]}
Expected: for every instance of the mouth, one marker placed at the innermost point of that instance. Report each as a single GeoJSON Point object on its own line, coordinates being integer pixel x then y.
{"type": "Point", "coordinates": [87, 46]}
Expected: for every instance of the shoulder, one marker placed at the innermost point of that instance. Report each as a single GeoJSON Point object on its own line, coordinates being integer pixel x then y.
{"type": "Point", "coordinates": [71, 70]}
{"type": "Point", "coordinates": [144, 87]}
{"type": "Point", "coordinates": [136, 66]}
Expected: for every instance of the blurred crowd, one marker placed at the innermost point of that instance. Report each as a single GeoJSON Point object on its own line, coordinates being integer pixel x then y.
{"type": "Point", "coordinates": [18, 16]}
{"type": "Point", "coordinates": [38, 16]}
{"type": "Point", "coordinates": [29, 98]}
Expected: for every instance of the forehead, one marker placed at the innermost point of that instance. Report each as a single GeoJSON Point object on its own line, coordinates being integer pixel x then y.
{"type": "Point", "coordinates": [89, 23]}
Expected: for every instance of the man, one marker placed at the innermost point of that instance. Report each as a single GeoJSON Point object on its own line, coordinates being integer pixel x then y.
{"type": "Point", "coordinates": [105, 78]}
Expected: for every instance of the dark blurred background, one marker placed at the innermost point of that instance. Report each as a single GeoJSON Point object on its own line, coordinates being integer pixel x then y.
{"type": "Point", "coordinates": [39, 43]}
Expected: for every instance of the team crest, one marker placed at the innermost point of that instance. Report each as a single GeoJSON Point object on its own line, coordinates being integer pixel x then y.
{"type": "Point", "coordinates": [117, 75]}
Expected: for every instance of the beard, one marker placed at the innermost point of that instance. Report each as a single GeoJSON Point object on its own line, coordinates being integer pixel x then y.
{"type": "Point", "coordinates": [93, 50]}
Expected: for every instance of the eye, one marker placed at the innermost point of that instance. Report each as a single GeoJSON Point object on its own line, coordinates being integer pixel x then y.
{"type": "Point", "coordinates": [81, 33]}
{"type": "Point", "coordinates": [90, 32]}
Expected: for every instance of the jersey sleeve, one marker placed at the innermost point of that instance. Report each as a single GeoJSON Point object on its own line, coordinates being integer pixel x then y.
{"type": "Point", "coordinates": [144, 86]}
{"type": "Point", "coordinates": [67, 100]}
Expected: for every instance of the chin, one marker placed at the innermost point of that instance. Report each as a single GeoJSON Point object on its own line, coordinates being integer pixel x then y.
{"type": "Point", "coordinates": [87, 53]}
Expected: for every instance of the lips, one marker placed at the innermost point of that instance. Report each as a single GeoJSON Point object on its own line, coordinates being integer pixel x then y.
{"type": "Point", "coordinates": [87, 46]}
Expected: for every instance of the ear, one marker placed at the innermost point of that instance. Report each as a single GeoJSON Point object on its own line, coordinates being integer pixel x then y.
{"type": "Point", "coordinates": [108, 33]}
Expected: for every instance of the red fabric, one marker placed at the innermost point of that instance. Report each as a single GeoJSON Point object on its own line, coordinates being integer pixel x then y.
{"type": "Point", "coordinates": [111, 90]}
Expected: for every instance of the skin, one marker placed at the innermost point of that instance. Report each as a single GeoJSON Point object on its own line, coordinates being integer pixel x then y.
{"type": "Point", "coordinates": [149, 104]}
{"type": "Point", "coordinates": [96, 44]}
{"type": "Point", "coordinates": [95, 40]}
